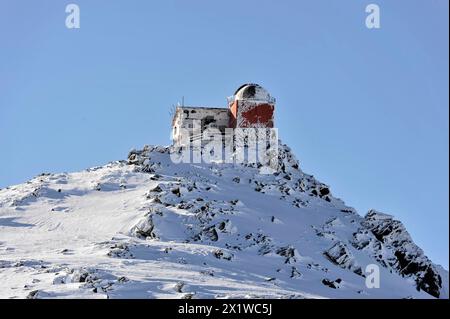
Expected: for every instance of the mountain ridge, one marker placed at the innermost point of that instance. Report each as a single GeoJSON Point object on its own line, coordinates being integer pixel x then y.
{"type": "Point", "coordinates": [149, 228]}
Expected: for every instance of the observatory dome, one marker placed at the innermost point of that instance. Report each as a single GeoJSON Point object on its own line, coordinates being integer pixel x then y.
{"type": "Point", "coordinates": [252, 91]}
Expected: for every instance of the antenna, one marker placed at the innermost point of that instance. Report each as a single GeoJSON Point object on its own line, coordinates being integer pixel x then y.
{"type": "Point", "coordinates": [182, 100]}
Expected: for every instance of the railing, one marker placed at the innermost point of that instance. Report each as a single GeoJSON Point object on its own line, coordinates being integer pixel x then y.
{"type": "Point", "coordinates": [270, 100]}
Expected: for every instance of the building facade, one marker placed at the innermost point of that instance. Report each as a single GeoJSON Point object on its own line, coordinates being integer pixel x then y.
{"type": "Point", "coordinates": [251, 106]}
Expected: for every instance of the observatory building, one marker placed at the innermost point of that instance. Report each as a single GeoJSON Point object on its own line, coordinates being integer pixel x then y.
{"type": "Point", "coordinates": [251, 106]}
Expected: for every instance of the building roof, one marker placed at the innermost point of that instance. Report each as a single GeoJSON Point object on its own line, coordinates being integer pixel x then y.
{"type": "Point", "coordinates": [252, 91]}
{"type": "Point", "coordinates": [180, 108]}
{"type": "Point", "coordinates": [202, 107]}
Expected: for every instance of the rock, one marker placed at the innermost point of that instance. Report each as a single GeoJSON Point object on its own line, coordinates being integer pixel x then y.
{"type": "Point", "coordinates": [156, 189]}
{"type": "Point", "coordinates": [234, 202]}
{"type": "Point", "coordinates": [324, 191]}
{"type": "Point", "coordinates": [220, 254]}
{"type": "Point", "coordinates": [331, 283]}
{"type": "Point", "coordinates": [210, 233]}
{"type": "Point", "coordinates": [33, 294]}
{"type": "Point", "coordinates": [288, 252]}
{"type": "Point", "coordinates": [123, 279]}
{"type": "Point", "coordinates": [120, 251]}
{"type": "Point", "coordinates": [404, 255]}
{"type": "Point", "coordinates": [295, 273]}
{"type": "Point", "coordinates": [340, 255]}
{"type": "Point", "coordinates": [179, 287]}
{"type": "Point", "coordinates": [176, 191]}
{"type": "Point", "coordinates": [145, 228]}
{"type": "Point", "coordinates": [79, 275]}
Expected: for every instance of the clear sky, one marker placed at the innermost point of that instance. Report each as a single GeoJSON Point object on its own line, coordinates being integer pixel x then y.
{"type": "Point", "coordinates": [366, 111]}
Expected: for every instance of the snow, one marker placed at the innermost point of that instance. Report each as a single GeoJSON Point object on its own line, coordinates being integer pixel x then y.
{"type": "Point", "coordinates": [148, 228]}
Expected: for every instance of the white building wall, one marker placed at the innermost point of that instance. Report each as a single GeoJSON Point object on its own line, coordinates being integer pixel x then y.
{"type": "Point", "coordinates": [207, 118]}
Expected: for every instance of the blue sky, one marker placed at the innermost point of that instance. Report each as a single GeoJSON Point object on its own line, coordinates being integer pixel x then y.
{"type": "Point", "coordinates": [366, 111]}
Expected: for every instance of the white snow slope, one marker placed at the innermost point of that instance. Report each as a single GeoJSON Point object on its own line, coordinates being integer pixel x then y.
{"type": "Point", "coordinates": [148, 228]}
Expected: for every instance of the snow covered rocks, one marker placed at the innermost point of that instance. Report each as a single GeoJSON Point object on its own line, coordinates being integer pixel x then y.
{"type": "Point", "coordinates": [341, 256]}
{"type": "Point", "coordinates": [395, 248]}
{"type": "Point", "coordinates": [149, 228]}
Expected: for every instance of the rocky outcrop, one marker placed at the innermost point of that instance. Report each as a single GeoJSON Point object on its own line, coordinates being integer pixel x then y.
{"type": "Point", "coordinates": [383, 238]}
{"type": "Point", "coordinates": [393, 247]}
{"type": "Point", "coordinates": [340, 255]}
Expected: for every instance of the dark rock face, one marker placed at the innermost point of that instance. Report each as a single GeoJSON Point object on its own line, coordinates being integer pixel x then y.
{"type": "Point", "coordinates": [340, 255]}
{"type": "Point", "coordinates": [295, 273]}
{"type": "Point", "coordinates": [221, 254]}
{"type": "Point", "coordinates": [33, 294]}
{"type": "Point", "coordinates": [332, 283]}
{"type": "Point", "coordinates": [211, 233]}
{"type": "Point", "coordinates": [404, 256]}
{"type": "Point", "coordinates": [287, 252]}
{"type": "Point", "coordinates": [324, 191]}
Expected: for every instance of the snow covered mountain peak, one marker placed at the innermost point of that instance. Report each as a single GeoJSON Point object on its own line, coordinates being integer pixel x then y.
{"type": "Point", "coordinates": [149, 228]}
